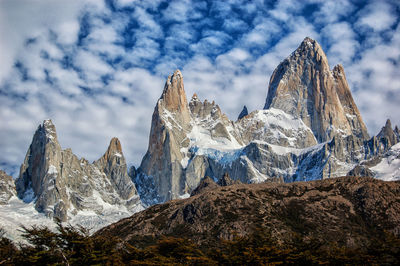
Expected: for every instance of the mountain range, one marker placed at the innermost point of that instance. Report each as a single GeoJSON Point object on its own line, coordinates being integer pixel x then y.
{"type": "Point", "coordinates": [309, 129]}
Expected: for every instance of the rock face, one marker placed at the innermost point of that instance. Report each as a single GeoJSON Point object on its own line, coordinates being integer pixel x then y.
{"type": "Point", "coordinates": [310, 129]}
{"type": "Point", "coordinates": [348, 211]}
{"type": "Point", "coordinates": [40, 173]}
{"type": "Point", "coordinates": [161, 175]}
{"type": "Point", "coordinates": [385, 139]}
{"type": "Point", "coordinates": [7, 187]}
{"type": "Point", "coordinates": [304, 86]}
{"type": "Point", "coordinates": [113, 165]}
{"type": "Point", "coordinates": [61, 185]}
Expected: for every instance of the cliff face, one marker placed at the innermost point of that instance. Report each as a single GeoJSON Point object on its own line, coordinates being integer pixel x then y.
{"type": "Point", "coordinates": [161, 167]}
{"type": "Point", "coordinates": [61, 185]}
{"type": "Point", "coordinates": [304, 86]}
{"type": "Point", "coordinates": [40, 173]}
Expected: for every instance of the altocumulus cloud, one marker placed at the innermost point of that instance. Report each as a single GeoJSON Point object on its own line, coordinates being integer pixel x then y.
{"type": "Point", "coordinates": [97, 68]}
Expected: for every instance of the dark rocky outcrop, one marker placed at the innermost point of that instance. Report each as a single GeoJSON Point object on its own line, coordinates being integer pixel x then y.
{"type": "Point", "coordinates": [206, 184]}
{"type": "Point", "coordinates": [243, 113]}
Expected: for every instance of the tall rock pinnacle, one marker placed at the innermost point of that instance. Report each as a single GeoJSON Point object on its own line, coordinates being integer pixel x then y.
{"type": "Point", "coordinates": [243, 113]}
{"type": "Point", "coordinates": [168, 135]}
{"type": "Point", "coordinates": [40, 173]}
{"type": "Point", "coordinates": [304, 86]}
{"type": "Point", "coordinates": [61, 185]}
{"type": "Point", "coordinates": [114, 166]}
{"type": "Point", "coordinates": [173, 97]}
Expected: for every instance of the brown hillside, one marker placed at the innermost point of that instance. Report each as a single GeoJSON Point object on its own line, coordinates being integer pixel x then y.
{"type": "Point", "coordinates": [349, 211]}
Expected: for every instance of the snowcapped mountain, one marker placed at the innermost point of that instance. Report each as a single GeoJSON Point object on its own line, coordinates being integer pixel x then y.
{"type": "Point", "coordinates": [310, 128]}
{"type": "Point", "coordinates": [57, 184]}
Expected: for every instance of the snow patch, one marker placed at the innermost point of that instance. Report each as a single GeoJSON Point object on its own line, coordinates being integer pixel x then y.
{"type": "Point", "coordinates": [389, 167]}
{"type": "Point", "coordinates": [184, 196]}
{"type": "Point", "coordinates": [52, 170]}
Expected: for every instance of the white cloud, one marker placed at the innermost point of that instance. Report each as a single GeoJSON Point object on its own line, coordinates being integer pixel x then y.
{"type": "Point", "coordinates": [24, 18]}
{"type": "Point", "coordinates": [343, 42]}
{"type": "Point", "coordinates": [377, 16]}
{"type": "Point", "coordinates": [225, 55]}
{"type": "Point", "coordinates": [332, 11]}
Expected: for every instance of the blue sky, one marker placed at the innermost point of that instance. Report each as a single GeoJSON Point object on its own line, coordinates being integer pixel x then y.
{"type": "Point", "coordinates": [97, 68]}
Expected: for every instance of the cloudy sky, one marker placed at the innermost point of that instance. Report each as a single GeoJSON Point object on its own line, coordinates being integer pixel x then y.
{"type": "Point", "coordinates": [97, 68]}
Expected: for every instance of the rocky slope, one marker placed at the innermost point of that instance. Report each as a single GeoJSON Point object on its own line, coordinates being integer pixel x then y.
{"type": "Point", "coordinates": [7, 187]}
{"type": "Point", "coordinates": [349, 211]}
{"type": "Point", "coordinates": [310, 129]}
{"type": "Point", "coordinates": [63, 186]}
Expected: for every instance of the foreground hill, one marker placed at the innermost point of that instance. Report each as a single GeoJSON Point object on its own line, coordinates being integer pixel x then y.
{"type": "Point", "coordinates": [348, 211]}
{"type": "Point", "coordinates": [341, 221]}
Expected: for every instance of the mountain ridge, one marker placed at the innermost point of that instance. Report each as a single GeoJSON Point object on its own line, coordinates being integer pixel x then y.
{"type": "Point", "coordinates": [310, 128]}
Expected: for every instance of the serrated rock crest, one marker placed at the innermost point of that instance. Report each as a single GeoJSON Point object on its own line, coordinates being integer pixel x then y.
{"type": "Point", "coordinates": [304, 86]}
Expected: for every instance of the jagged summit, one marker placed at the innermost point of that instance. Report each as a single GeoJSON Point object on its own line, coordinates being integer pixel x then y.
{"type": "Point", "coordinates": [173, 97]}
{"type": "Point", "coordinates": [310, 49]}
{"type": "Point", "coordinates": [304, 86]}
{"type": "Point", "coordinates": [388, 133]}
{"type": "Point", "coordinates": [114, 149]}
{"type": "Point", "coordinates": [61, 185]}
{"type": "Point", "coordinates": [47, 130]}
{"type": "Point", "coordinates": [243, 113]}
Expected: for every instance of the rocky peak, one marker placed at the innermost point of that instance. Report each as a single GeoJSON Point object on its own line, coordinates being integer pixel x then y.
{"type": "Point", "coordinates": [311, 52]}
{"type": "Point", "coordinates": [40, 173]}
{"type": "Point", "coordinates": [114, 149]}
{"type": "Point", "coordinates": [243, 113]}
{"type": "Point", "coordinates": [114, 166]}
{"type": "Point", "coordinates": [304, 87]}
{"type": "Point", "coordinates": [195, 98]}
{"type": "Point", "coordinates": [60, 184]}
{"type": "Point", "coordinates": [173, 97]}
{"type": "Point", "coordinates": [171, 122]}
{"type": "Point", "coordinates": [49, 129]}
{"type": "Point", "coordinates": [387, 132]}
{"type": "Point", "coordinates": [201, 109]}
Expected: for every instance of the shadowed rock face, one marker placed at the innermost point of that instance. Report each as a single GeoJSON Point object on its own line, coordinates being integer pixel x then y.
{"type": "Point", "coordinates": [304, 86]}
{"type": "Point", "coordinates": [61, 184]}
{"type": "Point", "coordinates": [350, 211]}
{"type": "Point", "coordinates": [243, 113]}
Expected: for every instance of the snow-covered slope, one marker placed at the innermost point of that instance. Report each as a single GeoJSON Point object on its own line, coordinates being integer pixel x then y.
{"type": "Point", "coordinates": [17, 213]}
{"type": "Point", "coordinates": [54, 183]}
{"type": "Point", "coordinates": [389, 167]}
